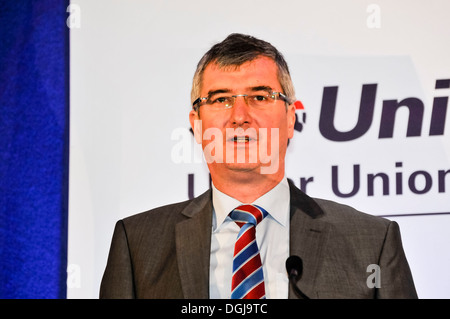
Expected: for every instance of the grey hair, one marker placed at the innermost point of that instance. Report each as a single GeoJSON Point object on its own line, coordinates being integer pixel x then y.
{"type": "Point", "coordinates": [237, 49]}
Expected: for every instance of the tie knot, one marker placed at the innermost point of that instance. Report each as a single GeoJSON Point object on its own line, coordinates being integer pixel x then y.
{"type": "Point", "coordinates": [251, 214]}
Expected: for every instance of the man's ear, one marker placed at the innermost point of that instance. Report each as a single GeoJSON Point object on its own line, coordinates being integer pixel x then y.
{"type": "Point", "coordinates": [196, 125]}
{"type": "Point", "coordinates": [291, 120]}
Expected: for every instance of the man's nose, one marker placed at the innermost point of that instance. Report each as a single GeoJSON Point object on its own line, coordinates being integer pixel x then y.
{"type": "Point", "coordinates": [240, 111]}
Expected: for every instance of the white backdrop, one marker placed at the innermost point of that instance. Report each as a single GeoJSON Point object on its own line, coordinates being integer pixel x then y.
{"type": "Point", "coordinates": [132, 64]}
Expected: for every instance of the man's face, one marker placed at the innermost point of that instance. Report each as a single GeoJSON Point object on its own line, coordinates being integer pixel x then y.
{"type": "Point", "coordinates": [243, 129]}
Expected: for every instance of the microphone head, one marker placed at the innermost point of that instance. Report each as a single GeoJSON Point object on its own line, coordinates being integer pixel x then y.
{"type": "Point", "coordinates": [294, 267]}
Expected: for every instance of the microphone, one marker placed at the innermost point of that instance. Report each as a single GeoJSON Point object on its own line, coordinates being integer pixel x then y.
{"type": "Point", "coordinates": [294, 267]}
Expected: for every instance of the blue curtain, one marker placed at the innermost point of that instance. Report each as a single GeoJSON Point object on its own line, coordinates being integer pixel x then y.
{"type": "Point", "coordinates": [34, 148]}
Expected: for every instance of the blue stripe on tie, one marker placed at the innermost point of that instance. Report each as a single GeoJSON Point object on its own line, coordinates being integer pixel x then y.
{"type": "Point", "coordinates": [264, 212]}
{"type": "Point", "coordinates": [247, 217]}
{"type": "Point", "coordinates": [245, 255]}
{"type": "Point", "coordinates": [248, 283]}
{"type": "Point", "coordinates": [244, 217]}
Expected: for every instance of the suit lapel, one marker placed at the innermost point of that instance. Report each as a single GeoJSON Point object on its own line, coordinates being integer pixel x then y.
{"type": "Point", "coordinates": [308, 235]}
{"type": "Point", "coordinates": [193, 244]}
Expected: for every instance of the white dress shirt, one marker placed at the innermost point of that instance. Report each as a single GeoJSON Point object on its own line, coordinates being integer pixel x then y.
{"type": "Point", "coordinates": [272, 237]}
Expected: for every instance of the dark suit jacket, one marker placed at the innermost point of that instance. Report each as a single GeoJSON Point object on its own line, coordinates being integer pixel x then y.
{"type": "Point", "coordinates": [164, 253]}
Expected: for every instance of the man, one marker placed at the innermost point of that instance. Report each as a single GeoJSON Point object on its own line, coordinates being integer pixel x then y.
{"type": "Point", "coordinates": [243, 115]}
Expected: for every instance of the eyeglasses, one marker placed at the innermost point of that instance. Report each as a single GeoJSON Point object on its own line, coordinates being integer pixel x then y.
{"type": "Point", "coordinates": [258, 100]}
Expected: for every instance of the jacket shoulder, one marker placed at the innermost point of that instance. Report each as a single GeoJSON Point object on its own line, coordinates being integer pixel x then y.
{"type": "Point", "coordinates": [165, 211]}
{"type": "Point", "coordinates": [163, 216]}
{"type": "Point", "coordinates": [337, 213]}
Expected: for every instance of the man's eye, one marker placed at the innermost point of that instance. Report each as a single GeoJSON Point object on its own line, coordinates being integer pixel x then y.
{"type": "Point", "coordinates": [259, 98]}
{"type": "Point", "coordinates": [221, 100]}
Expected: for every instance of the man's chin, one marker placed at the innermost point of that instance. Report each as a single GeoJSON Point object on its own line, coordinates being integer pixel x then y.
{"type": "Point", "coordinates": [238, 168]}
{"type": "Point", "coordinates": [243, 167]}
{"type": "Point", "coordinates": [250, 169]}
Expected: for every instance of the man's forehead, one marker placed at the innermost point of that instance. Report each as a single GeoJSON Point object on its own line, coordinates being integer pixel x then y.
{"type": "Point", "coordinates": [260, 71]}
{"type": "Point", "coordinates": [259, 62]}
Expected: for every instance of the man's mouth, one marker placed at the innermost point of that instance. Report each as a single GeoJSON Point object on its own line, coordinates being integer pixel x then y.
{"type": "Point", "coordinates": [241, 139]}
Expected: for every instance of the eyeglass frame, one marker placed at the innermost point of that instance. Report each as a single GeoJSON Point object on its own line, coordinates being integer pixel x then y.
{"type": "Point", "coordinates": [281, 97]}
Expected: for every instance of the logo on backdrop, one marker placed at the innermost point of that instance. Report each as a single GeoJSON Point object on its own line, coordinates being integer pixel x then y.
{"type": "Point", "coordinates": [414, 105]}
{"type": "Point", "coordinates": [300, 116]}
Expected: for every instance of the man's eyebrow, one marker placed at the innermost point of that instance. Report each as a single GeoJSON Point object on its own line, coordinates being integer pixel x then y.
{"type": "Point", "coordinates": [218, 91]}
{"type": "Point", "coordinates": [261, 88]}
{"type": "Point", "coordinates": [252, 89]}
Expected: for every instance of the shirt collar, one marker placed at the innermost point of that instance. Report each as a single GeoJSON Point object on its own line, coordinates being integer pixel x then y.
{"type": "Point", "coordinates": [276, 202]}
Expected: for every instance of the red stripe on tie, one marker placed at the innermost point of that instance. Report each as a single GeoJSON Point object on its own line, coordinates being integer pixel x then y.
{"type": "Point", "coordinates": [254, 211]}
{"type": "Point", "coordinates": [248, 268]}
{"type": "Point", "coordinates": [244, 240]}
{"type": "Point", "coordinates": [257, 292]}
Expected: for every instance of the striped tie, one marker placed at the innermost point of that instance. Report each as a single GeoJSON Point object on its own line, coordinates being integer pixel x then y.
{"type": "Point", "coordinates": [248, 278]}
